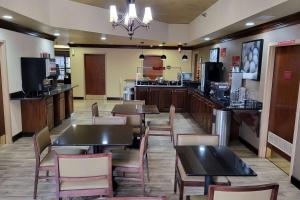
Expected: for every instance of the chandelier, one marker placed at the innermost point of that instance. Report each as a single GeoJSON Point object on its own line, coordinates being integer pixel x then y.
{"type": "Point", "coordinates": [130, 20]}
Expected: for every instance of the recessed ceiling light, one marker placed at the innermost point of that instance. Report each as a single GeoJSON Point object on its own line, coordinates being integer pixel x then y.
{"type": "Point", "coordinates": [103, 37]}
{"type": "Point", "coordinates": [7, 17]}
{"type": "Point", "coordinates": [206, 38]}
{"type": "Point", "coordinates": [71, 42]}
{"type": "Point", "coordinates": [250, 24]}
{"type": "Point", "coordinates": [160, 45]}
{"type": "Point", "coordinates": [56, 34]}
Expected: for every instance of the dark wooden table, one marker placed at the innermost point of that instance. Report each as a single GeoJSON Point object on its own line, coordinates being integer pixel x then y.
{"type": "Point", "coordinates": [97, 136]}
{"type": "Point", "coordinates": [210, 161]}
{"type": "Point", "coordinates": [134, 109]}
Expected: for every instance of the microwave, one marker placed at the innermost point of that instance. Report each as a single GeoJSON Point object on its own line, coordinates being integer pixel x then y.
{"type": "Point", "coordinates": [186, 76]}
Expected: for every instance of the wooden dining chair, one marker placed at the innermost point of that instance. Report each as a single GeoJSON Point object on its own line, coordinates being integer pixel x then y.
{"type": "Point", "coordinates": [83, 175]}
{"type": "Point", "coordinates": [111, 120]}
{"type": "Point", "coordinates": [255, 192]}
{"type": "Point", "coordinates": [137, 198]}
{"type": "Point", "coordinates": [133, 161]}
{"type": "Point", "coordinates": [181, 178]}
{"type": "Point", "coordinates": [134, 102]}
{"type": "Point", "coordinates": [163, 128]}
{"type": "Point", "coordinates": [44, 156]}
{"type": "Point", "coordinates": [95, 110]}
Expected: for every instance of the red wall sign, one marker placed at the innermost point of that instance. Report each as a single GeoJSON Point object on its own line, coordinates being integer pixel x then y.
{"type": "Point", "coordinates": [287, 75]}
{"type": "Point", "coordinates": [286, 43]}
{"type": "Point", "coordinates": [223, 52]}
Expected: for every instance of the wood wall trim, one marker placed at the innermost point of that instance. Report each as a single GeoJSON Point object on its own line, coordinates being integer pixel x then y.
{"type": "Point", "coordinates": [25, 30]}
{"type": "Point", "coordinates": [283, 22]}
{"type": "Point", "coordinates": [115, 46]}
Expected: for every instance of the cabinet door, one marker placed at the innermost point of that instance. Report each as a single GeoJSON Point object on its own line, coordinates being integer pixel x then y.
{"type": "Point", "coordinates": [62, 108]}
{"type": "Point", "coordinates": [153, 98]}
{"type": "Point", "coordinates": [165, 100]}
{"type": "Point", "coordinates": [50, 113]}
{"type": "Point", "coordinates": [141, 93]}
{"type": "Point", "coordinates": [179, 99]}
{"type": "Point", "coordinates": [68, 103]}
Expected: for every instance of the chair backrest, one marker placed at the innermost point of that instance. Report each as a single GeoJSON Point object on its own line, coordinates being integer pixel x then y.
{"type": "Point", "coordinates": [41, 141]}
{"type": "Point", "coordinates": [172, 115]}
{"type": "Point", "coordinates": [197, 139]}
{"type": "Point", "coordinates": [135, 102]}
{"type": "Point", "coordinates": [110, 120]}
{"type": "Point", "coordinates": [132, 120]}
{"type": "Point", "coordinates": [259, 192]}
{"type": "Point", "coordinates": [95, 110]}
{"type": "Point", "coordinates": [137, 198]}
{"type": "Point", "coordinates": [83, 167]}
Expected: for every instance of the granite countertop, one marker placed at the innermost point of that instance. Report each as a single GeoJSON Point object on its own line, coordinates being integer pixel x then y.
{"type": "Point", "coordinates": [59, 89]}
{"type": "Point", "coordinates": [161, 86]}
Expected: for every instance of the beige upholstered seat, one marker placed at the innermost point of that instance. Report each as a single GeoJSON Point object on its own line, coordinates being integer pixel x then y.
{"type": "Point", "coordinates": [163, 128]}
{"type": "Point", "coordinates": [95, 110]}
{"type": "Point", "coordinates": [112, 120]}
{"type": "Point", "coordinates": [135, 121]}
{"type": "Point", "coordinates": [83, 175]}
{"type": "Point", "coordinates": [259, 192]}
{"type": "Point", "coordinates": [45, 156]}
{"type": "Point", "coordinates": [133, 161]}
{"type": "Point", "coordinates": [138, 198]}
{"type": "Point", "coordinates": [135, 102]}
{"type": "Point", "coordinates": [194, 181]}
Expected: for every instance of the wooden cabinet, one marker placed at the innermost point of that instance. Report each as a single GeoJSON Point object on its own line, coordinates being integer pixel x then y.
{"type": "Point", "coordinates": [163, 97]}
{"type": "Point", "coordinates": [50, 112]}
{"type": "Point", "coordinates": [59, 108]}
{"type": "Point", "coordinates": [179, 99]}
{"type": "Point", "coordinates": [69, 108]}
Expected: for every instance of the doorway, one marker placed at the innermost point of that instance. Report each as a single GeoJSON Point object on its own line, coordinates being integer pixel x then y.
{"type": "Point", "coordinates": [283, 106]}
{"type": "Point", "coordinates": [94, 66]}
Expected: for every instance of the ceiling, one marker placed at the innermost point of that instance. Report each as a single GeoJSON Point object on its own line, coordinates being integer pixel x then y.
{"type": "Point", "coordinates": [168, 11]}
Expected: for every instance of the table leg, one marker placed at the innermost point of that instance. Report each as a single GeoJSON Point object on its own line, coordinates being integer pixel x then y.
{"type": "Point", "coordinates": [98, 149]}
{"type": "Point", "coordinates": [209, 180]}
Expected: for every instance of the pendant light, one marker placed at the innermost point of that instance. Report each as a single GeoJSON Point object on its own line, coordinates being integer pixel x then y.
{"type": "Point", "coordinates": [163, 56]}
{"type": "Point", "coordinates": [142, 57]}
{"type": "Point", "coordinates": [184, 57]}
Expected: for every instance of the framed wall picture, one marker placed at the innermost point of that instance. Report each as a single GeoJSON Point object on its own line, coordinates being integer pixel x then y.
{"type": "Point", "coordinates": [214, 55]}
{"type": "Point", "coordinates": [251, 59]}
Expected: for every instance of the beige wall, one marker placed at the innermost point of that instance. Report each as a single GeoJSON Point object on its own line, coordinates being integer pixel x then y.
{"type": "Point", "coordinates": [234, 49]}
{"type": "Point", "coordinates": [121, 64]}
{"type": "Point", "coordinates": [20, 45]}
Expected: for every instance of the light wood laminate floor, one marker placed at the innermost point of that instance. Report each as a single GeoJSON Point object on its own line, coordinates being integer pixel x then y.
{"type": "Point", "coordinates": [17, 163]}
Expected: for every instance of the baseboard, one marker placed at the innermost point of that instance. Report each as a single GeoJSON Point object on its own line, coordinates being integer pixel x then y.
{"type": "Point", "coordinates": [115, 98]}
{"type": "Point", "coordinates": [295, 182]}
{"type": "Point", "coordinates": [248, 145]}
{"type": "Point", "coordinates": [95, 97]}
{"type": "Point", "coordinates": [78, 98]}
{"type": "Point", "coordinates": [17, 136]}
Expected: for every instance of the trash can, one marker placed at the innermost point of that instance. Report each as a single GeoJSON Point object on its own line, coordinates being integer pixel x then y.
{"type": "Point", "coordinates": [222, 126]}
{"type": "Point", "coordinates": [127, 94]}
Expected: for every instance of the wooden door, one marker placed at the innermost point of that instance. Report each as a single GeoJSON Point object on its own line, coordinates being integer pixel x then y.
{"type": "Point", "coordinates": [94, 65]}
{"type": "Point", "coordinates": [285, 87]}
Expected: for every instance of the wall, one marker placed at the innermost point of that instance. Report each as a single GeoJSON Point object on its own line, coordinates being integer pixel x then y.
{"type": "Point", "coordinates": [20, 45]}
{"type": "Point", "coordinates": [122, 64]}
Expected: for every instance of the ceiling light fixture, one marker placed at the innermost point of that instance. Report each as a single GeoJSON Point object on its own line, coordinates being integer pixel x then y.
{"type": "Point", "coordinates": [250, 24]}
{"type": "Point", "coordinates": [56, 34]}
{"type": "Point", "coordinates": [142, 57]}
{"type": "Point", "coordinates": [163, 56]}
{"type": "Point", "coordinates": [130, 20]}
{"type": "Point", "coordinates": [184, 57]}
{"type": "Point", "coordinates": [103, 37]}
{"type": "Point", "coordinates": [206, 38]}
{"type": "Point", "coordinates": [7, 17]}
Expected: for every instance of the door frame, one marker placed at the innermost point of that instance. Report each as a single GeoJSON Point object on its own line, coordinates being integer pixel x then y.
{"type": "Point", "coordinates": [5, 93]}
{"type": "Point", "coordinates": [105, 62]}
{"type": "Point", "coordinates": [268, 81]}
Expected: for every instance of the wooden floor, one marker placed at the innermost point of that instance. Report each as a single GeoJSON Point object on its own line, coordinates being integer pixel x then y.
{"type": "Point", "coordinates": [17, 163]}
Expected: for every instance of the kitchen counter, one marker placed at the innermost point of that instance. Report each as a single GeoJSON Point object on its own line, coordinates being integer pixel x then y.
{"type": "Point", "coordinates": [162, 86]}
{"type": "Point", "coordinates": [59, 89]}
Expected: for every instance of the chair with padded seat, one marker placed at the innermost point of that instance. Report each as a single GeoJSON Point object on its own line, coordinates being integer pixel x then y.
{"type": "Point", "coordinates": [83, 175]}
{"type": "Point", "coordinates": [138, 198]}
{"type": "Point", "coordinates": [254, 192]}
{"type": "Point", "coordinates": [163, 128]}
{"type": "Point", "coordinates": [183, 180]}
{"type": "Point", "coordinates": [135, 120]}
{"type": "Point", "coordinates": [44, 156]}
{"type": "Point", "coordinates": [111, 120]}
{"type": "Point", "coordinates": [132, 161]}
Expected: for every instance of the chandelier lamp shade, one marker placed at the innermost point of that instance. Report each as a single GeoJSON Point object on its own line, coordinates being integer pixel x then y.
{"type": "Point", "coordinates": [130, 21]}
{"type": "Point", "coordinates": [184, 58]}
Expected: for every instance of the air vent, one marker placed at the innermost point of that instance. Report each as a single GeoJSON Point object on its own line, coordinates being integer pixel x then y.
{"type": "Point", "coordinates": [280, 143]}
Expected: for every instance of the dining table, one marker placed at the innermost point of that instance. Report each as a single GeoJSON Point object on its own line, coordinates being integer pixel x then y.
{"type": "Point", "coordinates": [97, 136]}
{"type": "Point", "coordinates": [131, 109]}
{"type": "Point", "coordinates": [211, 161]}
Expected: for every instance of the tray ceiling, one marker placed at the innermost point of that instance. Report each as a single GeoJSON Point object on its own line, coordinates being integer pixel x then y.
{"type": "Point", "coordinates": [168, 11]}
